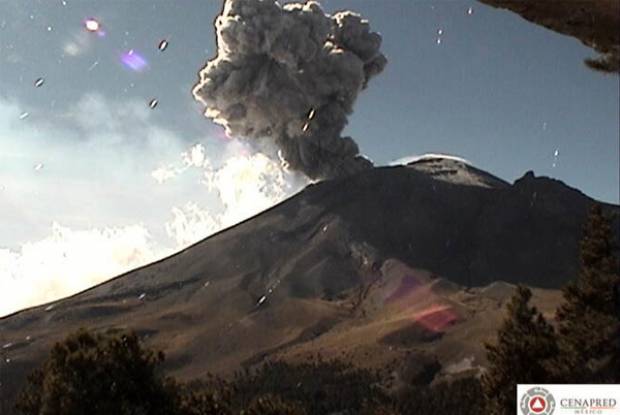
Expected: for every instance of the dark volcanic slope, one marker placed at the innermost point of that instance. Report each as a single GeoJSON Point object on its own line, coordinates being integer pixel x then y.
{"type": "Point", "coordinates": [302, 274]}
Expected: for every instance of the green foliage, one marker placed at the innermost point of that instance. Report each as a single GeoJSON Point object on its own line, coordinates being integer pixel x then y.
{"type": "Point", "coordinates": [608, 62]}
{"type": "Point", "coordinates": [589, 325]}
{"type": "Point", "coordinates": [99, 374]}
{"type": "Point", "coordinates": [112, 374]}
{"type": "Point", "coordinates": [96, 374]}
{"type": "Point", "coordinates": [525, 348]}
{"type": "Point", "coordinates": [329, 387]}
{"type": "Point", "coordinates": [587, 346]}
{"type": "Point", "coordinates": [319, 386]}
{"type": "Point", "coordinates": [212, 400]}
{"type": "Point", "coordinates": [273, 405]}
{"type": "Point", "coordinates": [459, 397]}
{"type": "Point", "coordinates": [385, 409]}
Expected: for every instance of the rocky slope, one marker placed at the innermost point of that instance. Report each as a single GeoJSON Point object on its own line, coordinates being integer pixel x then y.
{"type": "Point", "coordinates": [394, 264]}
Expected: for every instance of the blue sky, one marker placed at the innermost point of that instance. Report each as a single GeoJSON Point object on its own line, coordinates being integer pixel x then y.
{"type": "Point", "coordinates": [92, 165]}
{"type": "Point", "coordinates": [499, 91]}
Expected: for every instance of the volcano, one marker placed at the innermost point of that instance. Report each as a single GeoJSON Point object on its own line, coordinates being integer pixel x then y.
{"type": "Point", "coordinates": [409, 263]}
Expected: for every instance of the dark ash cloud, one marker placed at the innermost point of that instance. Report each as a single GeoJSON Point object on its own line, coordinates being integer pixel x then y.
{"type": "Point", "coordinates": [291, 73]}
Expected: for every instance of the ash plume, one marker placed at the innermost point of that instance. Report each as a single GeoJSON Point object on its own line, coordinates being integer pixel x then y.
{"type": "Point", "coordinates": [291, 73]}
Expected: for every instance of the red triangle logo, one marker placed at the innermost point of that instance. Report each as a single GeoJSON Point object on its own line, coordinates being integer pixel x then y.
{"type": "Point", "coordinates": [538, 404]}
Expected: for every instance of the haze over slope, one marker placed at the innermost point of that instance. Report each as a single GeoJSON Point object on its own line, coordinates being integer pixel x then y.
{"type": "Point", "coordinates": [370, 266]}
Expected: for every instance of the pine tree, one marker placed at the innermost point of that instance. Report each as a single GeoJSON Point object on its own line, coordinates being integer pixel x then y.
{"type": "Point", "coordinates": [203, 402]}
{"type": "Point", "coordinates": [273, 405]}
{"type": "Point", "coordinates": [99, 375]}
{"type": "Point", "coordinates": [456, 397]}
{"type": "Point", "coordinates": [525, 346]}
{"type": "Point", "coordinates": [589, 325]}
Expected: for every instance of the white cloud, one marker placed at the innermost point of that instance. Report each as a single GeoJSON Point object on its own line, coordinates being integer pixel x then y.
{"type": "Point", "coordinates": [245, 184]}
{"type": "Point", "coordinates": [71, 49]}
{"type": "Point", "coordinates": [69, 261]}
{"type": "Point", "coordinates": [95, 189]}
{"type": "Point", "coordinates": [79, 43]}
{"type": "Point", "coordinates": [96, 156]}
{"type": "Point", "coordinates": [191, 223]}
{"type": "Point", "coordinates": [164, 173]}
{"type": "Point", "coordinates": [112, 122]}
{"type": "Point", "coordinates": [196, 157]}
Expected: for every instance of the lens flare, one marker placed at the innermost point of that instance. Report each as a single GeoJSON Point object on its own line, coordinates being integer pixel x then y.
{"type": "Point", "coordinates": [437, 317]}
{"type": "Point", "coordinates": [134, 61]}
{"type": "Point", "coordinates": [92, 25]}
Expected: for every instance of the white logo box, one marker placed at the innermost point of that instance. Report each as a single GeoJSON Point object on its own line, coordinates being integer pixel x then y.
{"type": "Point", "coordinates": [568, 399]}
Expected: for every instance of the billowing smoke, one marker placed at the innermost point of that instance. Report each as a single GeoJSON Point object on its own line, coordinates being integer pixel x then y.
{"type": "Point", "coordinates": [292, 73]}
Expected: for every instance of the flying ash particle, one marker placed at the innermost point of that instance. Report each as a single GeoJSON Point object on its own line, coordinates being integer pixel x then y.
{"type": "Point", "coordinates": [153, 103]}
{"type": "Point", "coordinates": [39, 82]}
{"type": "Point", "coordinates": [24, 115]}
{"type": "Point", "coordinates": [470, 11]}
{"type": "Point", "coordinates": [162, 45]}
{"type": "Point", "coordinates": [556, 155]}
